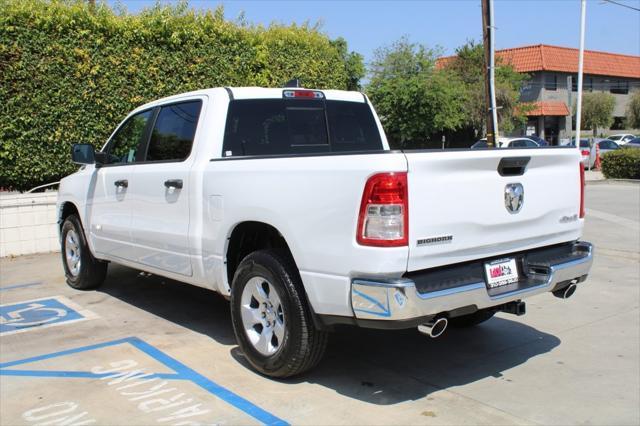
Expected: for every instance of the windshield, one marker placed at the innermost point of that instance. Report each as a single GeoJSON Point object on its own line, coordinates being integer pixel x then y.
{"type": "Point", "coordinates": [615, 138]}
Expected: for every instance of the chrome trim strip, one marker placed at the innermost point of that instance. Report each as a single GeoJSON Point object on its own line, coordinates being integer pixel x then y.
{"type": "Point", "coordinates": [450, 291]}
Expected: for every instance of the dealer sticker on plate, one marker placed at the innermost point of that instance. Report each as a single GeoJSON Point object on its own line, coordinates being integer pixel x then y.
{"type": "Point", "coordinates": [501, 272]}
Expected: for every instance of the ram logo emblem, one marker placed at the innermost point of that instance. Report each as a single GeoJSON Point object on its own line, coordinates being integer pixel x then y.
{"type": "Point", "coordinates": [513, 197]}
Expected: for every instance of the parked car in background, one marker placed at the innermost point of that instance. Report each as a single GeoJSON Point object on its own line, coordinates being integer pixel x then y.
{"type": "Point", "coordinates": [538, 140]}
{"type": "Point", "coordinates": [622, 138]}
{"type": "Point", "coordinates": [607, 145]}
{"type": "Point", "coordinates": [508, 143]}
{"type": "Point", "coordinates": [587, 151]}
{"type": "Point", "coordinates": [633, 143]}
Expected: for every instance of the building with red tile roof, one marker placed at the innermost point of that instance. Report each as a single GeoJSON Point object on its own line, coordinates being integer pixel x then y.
{"type": "Point", "coordinates": [552, 88]}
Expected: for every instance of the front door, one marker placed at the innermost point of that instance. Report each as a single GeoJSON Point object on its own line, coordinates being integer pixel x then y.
{"type": "Point", "coordinates": [160, 221]}
{"type": "Point", "coordinates": [111, 206]}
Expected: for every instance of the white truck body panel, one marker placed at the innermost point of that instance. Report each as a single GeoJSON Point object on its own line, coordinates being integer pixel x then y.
{"type": "Point", "coordinates": [460, 194]}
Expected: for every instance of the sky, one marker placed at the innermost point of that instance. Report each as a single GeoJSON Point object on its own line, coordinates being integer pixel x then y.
{"type": "Point", "coordinates": [367, 25]}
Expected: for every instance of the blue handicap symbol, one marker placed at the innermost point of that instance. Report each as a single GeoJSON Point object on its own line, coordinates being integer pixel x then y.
{"type": "Point", "coordinates": [35, 313]}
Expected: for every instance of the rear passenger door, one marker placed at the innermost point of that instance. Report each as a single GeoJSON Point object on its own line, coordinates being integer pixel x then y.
{"type": "Point", "coordinates": [160, 222]}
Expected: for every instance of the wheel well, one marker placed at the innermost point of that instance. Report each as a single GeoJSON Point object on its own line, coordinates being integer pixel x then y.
{"type": "Point", "coordinates": [68, 209]}
{"type": "Point", "coordinates": [248, 237]}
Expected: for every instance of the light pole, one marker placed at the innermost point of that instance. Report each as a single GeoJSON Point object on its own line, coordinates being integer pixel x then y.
{"type": "Point", "coordinates": [583, 12]}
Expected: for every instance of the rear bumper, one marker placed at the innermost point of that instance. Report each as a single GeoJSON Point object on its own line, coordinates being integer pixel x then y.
{"type": "Point", "coordinates": [401, 300]}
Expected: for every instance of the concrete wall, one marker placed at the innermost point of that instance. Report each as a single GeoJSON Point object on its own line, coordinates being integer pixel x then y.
{"type": "Point", "coordinates": [28, 224]}
{"type": "Point", "coordinates": [599, 84]}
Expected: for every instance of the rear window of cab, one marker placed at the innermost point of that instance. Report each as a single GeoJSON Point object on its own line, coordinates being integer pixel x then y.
{"type": "Point", "coordinates": [298, 126]}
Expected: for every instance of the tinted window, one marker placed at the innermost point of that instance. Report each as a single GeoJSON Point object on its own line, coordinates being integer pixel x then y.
{"type": "Point", "coordinates": [124, 145]}
{"type": "Point", "coordinates": [521, 143]}
{"type": "Point", "coordinates": [352, 127]}
{"type": "Point", "coordinates": [619, 86]}
{"type": "Point", "coordinates": [172, 135]}
{"type": "Point", "coordinates": [614, 138]}
{"type": "Point", "coordinates": [297, 126]}
{"type": "Point", "coordinates": [550, 82]}
{"type": "Point", "coordinates": [584, 143]}
{"type": "Point", "coordinates": [607, 144]}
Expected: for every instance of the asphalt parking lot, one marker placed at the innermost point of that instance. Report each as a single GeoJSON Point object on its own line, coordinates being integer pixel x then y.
{"type": "Point", "coordinates": [146, 350]}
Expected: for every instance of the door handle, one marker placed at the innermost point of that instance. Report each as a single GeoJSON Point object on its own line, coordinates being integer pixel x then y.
{"type": "Point", "coordinates": [122, 183]}
{"type": "Point", "coordinates": [173, 183]}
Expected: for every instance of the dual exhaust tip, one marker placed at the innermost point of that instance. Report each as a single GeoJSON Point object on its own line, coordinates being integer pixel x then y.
{"type": "Point", "coordinates": [437, 326]}
{"type": "Point", "coordinates": [566, 292]}
{"type": "Point", "coordinates": [434, 328]}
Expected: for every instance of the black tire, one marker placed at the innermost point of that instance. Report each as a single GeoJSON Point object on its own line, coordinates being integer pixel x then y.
{"type": "Point", "coordinates": [91, 272]}
{"type": "Point", "coordinates": [303, 345]}
{"type": "Point", "coordinates": [473, 319]}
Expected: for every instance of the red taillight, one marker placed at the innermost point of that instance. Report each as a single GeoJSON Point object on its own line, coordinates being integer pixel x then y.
{"type": "Point", "coordinates": [384, 211]}
{"type": "Point", "coordinates": [581, 190]}
{"type": "Point", "coordinates": [585, 152]}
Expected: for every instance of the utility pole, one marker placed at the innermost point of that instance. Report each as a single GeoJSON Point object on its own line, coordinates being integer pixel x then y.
{"type": "Point", "coordinates": [488, 41]}
{"type": "Point", "coordinates": [583, 12]}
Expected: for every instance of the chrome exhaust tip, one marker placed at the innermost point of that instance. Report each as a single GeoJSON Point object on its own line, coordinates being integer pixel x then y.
{"type": "Point", "coordinates": [434, 328]}
{"type": "Point", "coordinates": [566, 292]}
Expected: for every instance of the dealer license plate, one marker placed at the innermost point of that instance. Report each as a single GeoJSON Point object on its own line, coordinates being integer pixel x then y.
{"type": "Point", "coordinates": [501, 272]}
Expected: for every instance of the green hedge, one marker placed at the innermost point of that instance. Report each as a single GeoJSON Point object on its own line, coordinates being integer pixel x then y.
{"type": "Point", "coordinates": [621, 164]}
{"type": "Point", "coordinates": [69, 72]}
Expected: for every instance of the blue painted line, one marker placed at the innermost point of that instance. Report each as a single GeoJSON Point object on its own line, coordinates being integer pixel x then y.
{"type": "Point", "coordinates": [78, 374]}
{"type": "Point", "coordinates": [208, 385]}
{"type": "Point", "coordinates": [182, 373]}
{"type": "Point", "coordinates": [67, 352]}
{"type": "Point", "coordinates": [13, 286]}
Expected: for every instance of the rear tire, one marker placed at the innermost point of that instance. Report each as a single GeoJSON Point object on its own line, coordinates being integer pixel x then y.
{"type": "Point", "coordinates": [270, 316]}
{"type": "Point", "coordinates": [473, 319]}
{"type": "Point", "coordinates": [82, 270]}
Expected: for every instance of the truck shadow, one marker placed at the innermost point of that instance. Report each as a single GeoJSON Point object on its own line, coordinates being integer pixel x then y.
{"type": "Point", "coordinates": [194, 308]}
{"type": "Point", "coordinates": [375, 366]}
{"type": "Point", "coordinates": [390, 367]}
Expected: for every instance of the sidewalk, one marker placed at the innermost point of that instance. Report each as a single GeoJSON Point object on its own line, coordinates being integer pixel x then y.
{"type": "Point", "coordinates": [593, 175]}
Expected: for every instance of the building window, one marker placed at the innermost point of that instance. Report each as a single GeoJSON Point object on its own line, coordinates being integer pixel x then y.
{"type": "Point", "coordinates": [550, 82]}
{"type": "Point", "coordinates": [587, 83]}
{"type": "Point", "coordinates": [620, 87]}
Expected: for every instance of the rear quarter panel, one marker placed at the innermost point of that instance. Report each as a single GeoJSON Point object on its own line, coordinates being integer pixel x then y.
{"type": "Point", "coordinates": [314, 203]}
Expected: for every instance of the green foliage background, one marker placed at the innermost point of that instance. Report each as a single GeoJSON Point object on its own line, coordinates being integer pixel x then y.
{"type": "Point", "coordinates": [597, 110]}
{"type": "Point", "coordinates": [621, 164]}
{"type": "Point", "coordinates": [70, 72]}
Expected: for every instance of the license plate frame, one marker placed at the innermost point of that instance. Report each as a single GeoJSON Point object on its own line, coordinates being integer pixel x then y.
{"type": "Point", "coordinates": [501, 272]}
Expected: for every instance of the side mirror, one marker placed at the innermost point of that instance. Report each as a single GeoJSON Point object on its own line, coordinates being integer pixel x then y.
{"type": "Point", "coordinates": [84, 153]}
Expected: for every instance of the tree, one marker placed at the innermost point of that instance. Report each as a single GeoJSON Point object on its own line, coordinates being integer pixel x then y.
{"type": "Point", "coordinates": [597, 110]}
{"type": "Point", "coordinates": [633, 111]}
{"type": "Point", "coordinates": [353, 64]}
{"type": "Point", "coordinates": [467, 64]}
{"type": "Point", "coordinates": [413, 99]}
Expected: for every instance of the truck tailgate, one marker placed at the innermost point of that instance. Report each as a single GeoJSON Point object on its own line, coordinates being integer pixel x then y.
{"type": "Point", "coordinates": [457, 207]}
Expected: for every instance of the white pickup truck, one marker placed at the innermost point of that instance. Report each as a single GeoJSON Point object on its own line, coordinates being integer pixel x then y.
{"type": "Point", "coordinates": [290, 203]}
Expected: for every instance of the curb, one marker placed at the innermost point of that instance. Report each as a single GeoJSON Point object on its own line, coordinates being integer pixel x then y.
{"type": "Point", "coordinates": [613, 181]}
